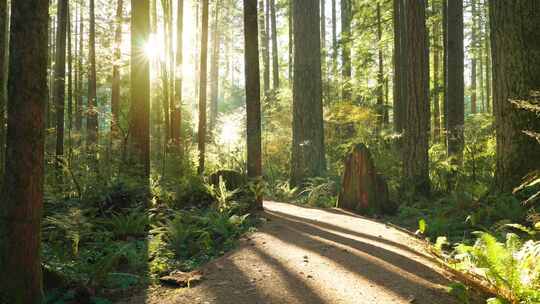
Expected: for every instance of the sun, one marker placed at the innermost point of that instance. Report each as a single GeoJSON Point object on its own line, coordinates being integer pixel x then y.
{"type": "Point", "coordinates": [154, 48]}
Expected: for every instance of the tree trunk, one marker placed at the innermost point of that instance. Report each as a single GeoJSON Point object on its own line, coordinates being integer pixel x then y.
{"type": "Point", "coordinates": [275, 58]}
{"type": "Point", "coordinates": [115, 94]}
{"type": "Point", "coordinates": [79, 106]}
{"type": "Point", "coordinates": [165, 75]}
{"type": "Point", "coordinates": [214, 67]}
{"type": "Point", "coordinates": [308, 153]}
{"type": "Point", "coordinates": [69, 73]}
{"type": "Point", "coordinates": [176, 115]}
{"type": "Point", "coordinates": [291, 42]}
{"type": "Point", "coordinates": [21, 206]}
{"type": "Point", "coordinates": [324, 69]}
{"type": "Point", "coordinates": [60, 74]}
{"type": "Point", "coordinates": [4, 24]}
{"type": "Point", "coordinates": [334, 45]}
{"type": "Point", "coordinates": [474, 46]}
{"type": "Point", "coordinates": [445, 69]}
{"type": "Point", "coordinates": [265, 48]}
{"type": "Point", "coordinates": [140, 87]}
{"type": "Point", "coordinates": [92, 116]}
{"type": "Point", "coordinates": [202, 87]}
{"type": "Point", "coordinates": [380, 74]}
{"type": "Point", "coordinates": [397, 24]}
{"type": "Point", "coordinates": [436, 79]}
{"type": "Point", "coordinates": [253, 94]}
{"type": "Point", "coordinates": [346, 16]}
{"type": "Point", "coordinates": [417, 121]}
{"type": "Point", "coordinates": [488, 62]}
{"type": "Point", "coordinates": [455, 84]}
{"type": "Point", "coordinates": [515, 41]}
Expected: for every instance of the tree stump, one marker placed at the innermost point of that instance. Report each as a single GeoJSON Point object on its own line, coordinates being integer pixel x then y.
{"type": "Point", "coordinates": [362, 189]}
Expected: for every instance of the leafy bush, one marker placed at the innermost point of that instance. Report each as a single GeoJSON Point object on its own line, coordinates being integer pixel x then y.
{"type": "Point", "coordinates": [320, 192]}
{"type": "Point", "coordinates": [122, 226]}
{"type": "Point", "coordinates": [199, 235]}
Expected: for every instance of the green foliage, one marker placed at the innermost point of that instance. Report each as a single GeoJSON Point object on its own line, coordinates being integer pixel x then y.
{"type": "Point", "coordinates": [318, 192]}
{"type": "Point", "coordinates": [122, 226]}
{"type": "Point", "coordinates": [510, 266]}
{"type": "Point", "coordinates": [199, 235]}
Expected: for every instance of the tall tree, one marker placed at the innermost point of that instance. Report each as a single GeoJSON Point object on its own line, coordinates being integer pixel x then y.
{"type": "Point", "coordinates": [176, 115]}
{"type": "Point", "coordinates": [21, 206]}
{"type": "Point", "coordinates": [3, 77]}
{"type": "Point", "coordinates": [265, 48]}
{"type": "Point", "coordinates": [436, 77]}
{"type": "Point", "coordinates": [515, 37]}
{"type": "Point", "coordinates": [380, 72]}
{"type": "Point", "coordinates": [275, 57]}
{"type": "Point", "coordinates": [79, 85]}
{"type": "Point", "coordinates": [140, 86]}
{"type": "Point", "coordinates": [397, 24]}
{"type": "Point", "coordinates": [334, 40]}
{"type": "Point", "coordinates": [346, 19]}
{"type": "Point", "coordinates": [291, 43]}
{"type": "Point", "coordinates": [454, 80]}
{"type": "Point", "coordinates": [60, 73]}
{"type": "Point", "coordinates": [115, 92]}
{"type": "Point", "coordinates": [488, 68]}
{"type": "Point", "coordinates": [417, 123]}
{"type": "Point", "coordinates": [69, 70]}
{"type": "Point", "coordinates": [474, 50]}
{"type": "Point", "coordinates": [92, 116]}
{"type": "Point", "coordinates": [214, 66]}
{"type": "Point", "coordinates": [165, 71]}
{"type": "Point", "coordinates": [202, 87]}
{"type": "Point", "coordinates": [253, 94]}
{"type": "Point", "coordinates": [308, 152]}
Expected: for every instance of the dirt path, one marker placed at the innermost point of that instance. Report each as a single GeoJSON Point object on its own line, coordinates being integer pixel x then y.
{"type": "Point", "coordinates": [311, 256]}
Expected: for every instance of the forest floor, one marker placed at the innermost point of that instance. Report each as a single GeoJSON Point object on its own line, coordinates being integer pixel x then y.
{"type": "Point", "coordinates": [309, 256]}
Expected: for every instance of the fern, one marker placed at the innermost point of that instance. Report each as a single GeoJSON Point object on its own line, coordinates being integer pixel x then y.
{"type": "Point", "coordinates": [511, 267]}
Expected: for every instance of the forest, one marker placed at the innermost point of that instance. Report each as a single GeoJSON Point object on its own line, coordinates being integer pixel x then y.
{"type": "Point", "coordinates": [269, 151]}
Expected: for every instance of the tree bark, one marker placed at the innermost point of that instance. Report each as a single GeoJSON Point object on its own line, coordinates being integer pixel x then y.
{"type": "Point", "coordinates": [176, 115]}
{"type": "Point", "coordinates": [22, 193]}
{"type": "Point", "coordinates": [202, 87]}
{"type": "Point", "coordinates": [79, 106]}
{"type": "Point", "coordinates": [436, 79]}
{"type": "Point", "coordinates": [474, 48]}
{"type": "Point", "coordinates": [214, 67]}
{"type": "Point", "coordinates": [397, 24]}
{"type": "Point", "coordinates": [488, 63]}
{"type": "Point", "coordinates": [308, 152]}
{"type": "Point", "coordinates": [417, 123]}
{"type": "Point", "coordinates": [346, 17]}
{"type": "Point", "coordinates": [265, 48]}
{"type": "Point", "coordinates": [4, 45]}
{"type": "Point", "coordinates": [275, 57]}
{"type": "Point", "coordinates": [60, 74]}
{"type": "Point", "coordinates": [92, 116]}
{"type": "Point", "coordinates": [291, 42]}
{"type": "Point", "coordinates": [140, 87]}
{"type": "Point", "coordinates": [515, 41]}
{"type": "Point", "coordinates": [69, 72]}
{"type": "Point", "coordinates": [454, 83]}
{"type": "Point", "coordinates": [253, 94]}
{"type": "Point", "coordinates": [115, 94]}
{"type": "Point", "coordinates": [380, 73]}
